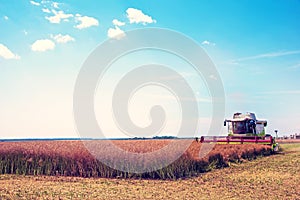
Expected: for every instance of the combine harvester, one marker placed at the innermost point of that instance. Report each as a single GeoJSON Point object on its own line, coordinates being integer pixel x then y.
{"type": "Point", "coordinates": [243, 129]}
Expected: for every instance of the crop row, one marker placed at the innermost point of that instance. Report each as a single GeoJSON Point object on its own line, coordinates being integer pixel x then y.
{"type": "Point", "coordinates": [76, 158]}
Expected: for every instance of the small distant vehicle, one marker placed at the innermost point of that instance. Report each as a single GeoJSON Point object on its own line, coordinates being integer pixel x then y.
{"type": "Point", "coordinates": [243, 129]}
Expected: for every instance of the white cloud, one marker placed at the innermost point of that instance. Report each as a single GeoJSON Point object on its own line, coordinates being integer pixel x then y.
{"type": "Point", "coordinates": [62, 38]}
{"type": "Point", "coordinates": [282, 92]}
{"type": "Point", "coordinates": [58, 16]}
{"type": "Point", "coordinates": [86, 22]}
{"type": "Point", "coordinates": [6, 53]}
{"type": "Point", "coordinates": [230, 62]}
{"type": "Point", "coordinates": [43, 45]}
{"type": "Point", "coordinates": [116, 33]}
{"type": "Point", "coordinates": [118, 23]}
{"type": "Point", "coordinates": [5, 17]}
{"type": "Point", "coordinates": [213, 77]}
{"type": "Point", "coordinates": [35, 3]}
{"type": "Point", "coordinates": [55, 4]}
{"type": "Point", "coordinates": [296, 66]}
{"type": "Point", "coordinates": [46, 10]}
{"type": "Point", "coordinates": [269, 55]}
{"type": "Point", "coordinates": [137, 16]}
{"type": "Point", "coordinates": [206, 42]}
{"type": "Point", "coordinates": [238, 61]}
{"type": "Point", "coordinates": [51, 4]}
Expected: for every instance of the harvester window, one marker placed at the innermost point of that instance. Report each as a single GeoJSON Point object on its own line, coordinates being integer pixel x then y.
{"type": "Point", "coordinates": [239, 127]}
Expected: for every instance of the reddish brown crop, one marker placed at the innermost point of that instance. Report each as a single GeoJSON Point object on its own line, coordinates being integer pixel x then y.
{"type": "Point", "coordinates": [71, 158]}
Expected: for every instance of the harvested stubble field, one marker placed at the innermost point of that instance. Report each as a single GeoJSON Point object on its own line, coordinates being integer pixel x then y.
{"type": "Point", "coordinates": [288, 141]}
{"type": "Point", "coordinates": [272, 177]}
{"type": "Point", "coordinates": [71, 158]}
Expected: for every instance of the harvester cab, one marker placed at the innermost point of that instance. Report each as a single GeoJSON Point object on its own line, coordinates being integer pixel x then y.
{"type": "Point", "coordinates": [245, 125]}
{"type": "Point", "coordinates": [243, 129]}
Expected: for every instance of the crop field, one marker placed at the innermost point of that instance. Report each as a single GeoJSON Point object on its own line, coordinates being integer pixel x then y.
{"type": "Point", "coordinates": [71, 158]}
{"type": "Point", "coordinates": [271, 177]}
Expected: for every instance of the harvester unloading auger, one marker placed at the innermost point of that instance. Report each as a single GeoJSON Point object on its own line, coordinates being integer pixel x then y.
{"type": "Point", "coordinates": [243, 129]}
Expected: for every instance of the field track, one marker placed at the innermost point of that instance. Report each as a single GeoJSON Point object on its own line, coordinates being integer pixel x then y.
{"type": "Point", "coordinates": [273, 177]}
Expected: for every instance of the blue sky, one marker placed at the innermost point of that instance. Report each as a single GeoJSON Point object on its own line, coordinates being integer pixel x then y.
{"type": "Point", "coordinates": [254, 44]}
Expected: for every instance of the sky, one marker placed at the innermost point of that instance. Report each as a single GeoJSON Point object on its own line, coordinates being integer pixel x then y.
{"type": "Point", "coordinates": [254, 45]}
